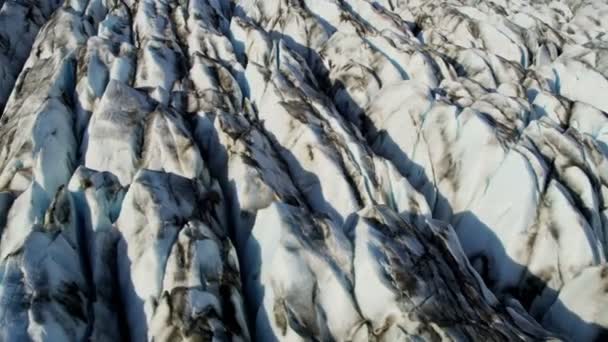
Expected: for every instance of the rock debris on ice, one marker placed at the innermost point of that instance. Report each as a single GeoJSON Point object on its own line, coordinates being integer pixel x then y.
{"type": "Point", "coordinates": [303, 170]}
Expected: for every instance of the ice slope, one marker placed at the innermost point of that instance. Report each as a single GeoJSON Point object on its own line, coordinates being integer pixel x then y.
{"type": "Point", "coordinates": [20, 22]}
{"type": "Point", "coordinates": [297, 170]}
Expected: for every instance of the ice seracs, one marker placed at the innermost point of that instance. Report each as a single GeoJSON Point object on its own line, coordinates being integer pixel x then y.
{"type": "Point", "coordinates": [178, 272]}
{"type": "Point", "coordinates": [290, 170]}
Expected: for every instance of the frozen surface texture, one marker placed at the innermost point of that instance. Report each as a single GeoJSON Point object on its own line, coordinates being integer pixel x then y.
{"type": "Point", "coordinates": [303, 170]}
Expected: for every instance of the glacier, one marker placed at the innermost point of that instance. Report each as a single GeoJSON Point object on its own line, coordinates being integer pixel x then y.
{"type": "Point", "coordinates": [303, 170]}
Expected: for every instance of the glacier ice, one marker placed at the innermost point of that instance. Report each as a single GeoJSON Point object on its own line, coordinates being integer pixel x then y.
{"type": "Point", "coordinates": [303, 170]}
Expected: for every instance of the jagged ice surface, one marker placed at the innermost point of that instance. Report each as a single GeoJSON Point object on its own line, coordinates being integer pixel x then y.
{"type": "Point", "coordinates": [303, 170]}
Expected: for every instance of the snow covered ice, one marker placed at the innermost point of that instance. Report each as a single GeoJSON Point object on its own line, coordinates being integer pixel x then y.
{"type": "Point", "coordinates": [303, 170]}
